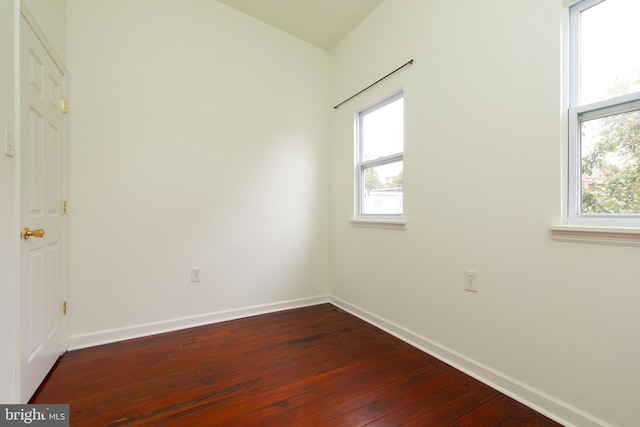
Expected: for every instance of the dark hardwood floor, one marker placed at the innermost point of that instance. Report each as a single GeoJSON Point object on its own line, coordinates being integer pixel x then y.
{"type": "Point", "coordinates": [305, 367]}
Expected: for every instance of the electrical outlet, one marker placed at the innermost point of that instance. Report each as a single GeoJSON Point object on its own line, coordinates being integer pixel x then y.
{"type": "Point", "coordinates": [196, 274]}
{"type": "Point", "coordinates": [471, 281]}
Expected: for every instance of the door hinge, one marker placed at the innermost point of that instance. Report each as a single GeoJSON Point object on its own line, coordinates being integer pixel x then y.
{"type": "Point", "coordinates": [65, 207]}
{"type": "Point", "coordinates": [64, 308]}
{"type": "Point", "coordinates": [64, 105]}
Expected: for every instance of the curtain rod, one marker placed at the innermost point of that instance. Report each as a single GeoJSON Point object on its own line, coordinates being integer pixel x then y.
{"type": "Point", "coordinates": [374, 83]}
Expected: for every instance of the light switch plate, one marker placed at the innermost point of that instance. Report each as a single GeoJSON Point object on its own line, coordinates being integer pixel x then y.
{"type": "Point", "coordinates": [9, 143]}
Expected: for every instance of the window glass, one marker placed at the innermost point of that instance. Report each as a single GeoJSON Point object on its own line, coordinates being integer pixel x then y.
{"type": "Point", "coordinates": [383, 131]}
{"type": "Point", "coordinates": [611, 164]}
{"type": "Point", "coordinates": [609, 53]}
{"type": "Point", "coordinates": [382, 192]}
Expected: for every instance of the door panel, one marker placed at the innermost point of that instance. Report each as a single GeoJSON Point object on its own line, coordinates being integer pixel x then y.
{"type": "Point", "coordinates": [43, 329]}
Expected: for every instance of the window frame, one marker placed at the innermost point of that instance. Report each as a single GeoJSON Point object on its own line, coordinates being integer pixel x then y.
{"type": "Point", "coordinates": [577, 114]}
{"type": "Point", "coordinates": [362, 165]}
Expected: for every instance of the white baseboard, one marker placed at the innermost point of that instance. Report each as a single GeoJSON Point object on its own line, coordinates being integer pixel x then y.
{"type": "Point", "coordinates": [553, 408]}
{"type": "Point", "coordinates": [112, 335]}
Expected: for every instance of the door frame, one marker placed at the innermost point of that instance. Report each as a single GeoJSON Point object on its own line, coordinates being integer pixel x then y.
{"type": "Point", "coordinates": [30, 20]}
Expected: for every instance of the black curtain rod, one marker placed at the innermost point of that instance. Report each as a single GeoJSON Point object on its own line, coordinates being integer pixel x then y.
{"type": "Point", "coordinates": [374, 83]}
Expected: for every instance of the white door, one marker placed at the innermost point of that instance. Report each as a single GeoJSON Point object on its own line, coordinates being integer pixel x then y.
{"type": "Point", "coordinates": [43, 332]}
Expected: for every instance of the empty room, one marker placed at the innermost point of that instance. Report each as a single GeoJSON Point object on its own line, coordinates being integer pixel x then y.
{"type": "Point", "coordinates": [300, 190]}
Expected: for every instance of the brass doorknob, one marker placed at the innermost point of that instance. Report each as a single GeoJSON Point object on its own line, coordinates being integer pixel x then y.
{"type": "Point", "coordinates": [26, 233]}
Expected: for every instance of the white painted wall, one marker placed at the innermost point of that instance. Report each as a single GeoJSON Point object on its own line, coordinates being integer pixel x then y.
{"type": "Point", "coordinates": [9, 229]}
{"type": "Point", "coordinates": [199, 137]}
{"type": "Point", "coordinates": [482, 185]}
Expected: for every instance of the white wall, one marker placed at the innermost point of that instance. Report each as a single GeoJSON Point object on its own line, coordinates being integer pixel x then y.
{"type": "Point", "coordinates": [199, 137]}
{"type": "Point", "coordinates": [9, 229]}
{"type": "Point", "coordinates": [554, 322]}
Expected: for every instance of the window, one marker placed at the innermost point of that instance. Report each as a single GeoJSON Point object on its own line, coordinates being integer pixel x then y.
{"type": "Point", "coordinates": [380, 151]}
{"type": "Point", "coordinates": [604, 113]}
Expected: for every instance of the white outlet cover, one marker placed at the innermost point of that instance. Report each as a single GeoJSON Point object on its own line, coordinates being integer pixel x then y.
{"type": "Point", "coordinates": [196, 274]}
{"type": "Point", "coordinates": [471, 281]}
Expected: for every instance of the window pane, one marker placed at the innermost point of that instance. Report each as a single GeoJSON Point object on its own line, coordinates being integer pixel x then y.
{"type": "Point", "coordinates": [609, 54]}
{"type": "Point", "coordinates": [382, 131]}
{"type": "Point", "coordinates": [611, 164]}
{"type": "Point", "coordinates": [382, 189]}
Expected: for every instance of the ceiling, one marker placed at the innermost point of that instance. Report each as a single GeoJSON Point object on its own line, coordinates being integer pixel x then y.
{"type": "Point", "coordinates": [320, 22]}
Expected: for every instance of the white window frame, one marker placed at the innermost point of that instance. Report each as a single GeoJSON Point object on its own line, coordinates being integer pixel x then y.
{"type": "Point", "coordinates": [577, 114]}
{"type": "Point", "coordinates": [619, 230]}
{"type": "Point", "coordinates": [361, 166]}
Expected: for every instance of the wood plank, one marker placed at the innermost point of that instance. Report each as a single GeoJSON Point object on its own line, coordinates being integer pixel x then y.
{"type": "Point", "coordinates": [527, 417]}
{"type": "Point", "coordinates": [455, 407]}
{"type": "Point", "coordinates": [427, 399]}
{"type": "Point", "coordinates": [310, 366]}
{"type": "Point", "coordinates": [493, 412]}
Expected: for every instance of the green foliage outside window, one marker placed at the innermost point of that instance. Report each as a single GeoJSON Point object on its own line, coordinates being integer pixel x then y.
{"type": "Point", "coordinates": [611, 168]}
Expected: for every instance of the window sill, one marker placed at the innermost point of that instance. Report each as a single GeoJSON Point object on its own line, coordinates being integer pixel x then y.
{"type": "Point", "coordinates": [389, 224]}
{"type": "Point", "coordinates": [618, 236]}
